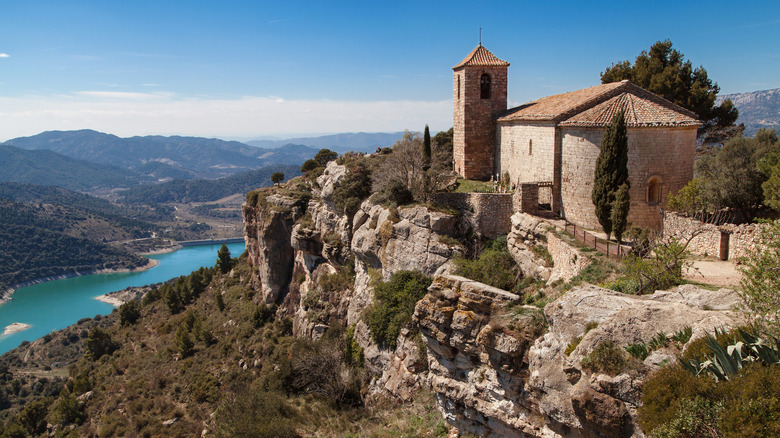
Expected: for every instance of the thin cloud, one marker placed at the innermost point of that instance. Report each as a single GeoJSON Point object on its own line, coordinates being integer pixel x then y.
{"type": "Point", "coordinates": [122, 95]}
{"type": "Point", "coordinates": [129, 114]}
{"type": "Point", "coordinates": [4, 55]}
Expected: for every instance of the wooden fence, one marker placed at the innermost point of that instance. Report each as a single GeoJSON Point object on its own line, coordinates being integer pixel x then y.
{"type": "Point", "coordinates": [611, 249]}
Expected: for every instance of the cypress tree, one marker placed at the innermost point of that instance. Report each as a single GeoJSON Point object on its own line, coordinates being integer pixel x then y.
{"type": "Point", "coordinates": [611, 170]}
{"type": "Point", "coordinates": [620, 211]}
{"type": "Point", "coordinates": [427, 148]}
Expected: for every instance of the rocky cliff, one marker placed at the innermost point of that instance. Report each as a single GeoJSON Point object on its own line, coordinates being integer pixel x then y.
{"type": "Point", "coordinates": [497, 367]}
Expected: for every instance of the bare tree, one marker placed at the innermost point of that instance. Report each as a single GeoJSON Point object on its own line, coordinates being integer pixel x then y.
{"type": "Point", "coordinates": [407, 165]}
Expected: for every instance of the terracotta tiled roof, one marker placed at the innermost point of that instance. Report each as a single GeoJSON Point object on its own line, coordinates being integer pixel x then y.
{"type": "Point", "coordinates": [481, 56]}
{"type": "Point", "coordinates": [595, 106]}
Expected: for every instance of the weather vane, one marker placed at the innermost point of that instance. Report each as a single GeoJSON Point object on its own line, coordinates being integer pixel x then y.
{"type": "Point", "coordinates": [480, 35]}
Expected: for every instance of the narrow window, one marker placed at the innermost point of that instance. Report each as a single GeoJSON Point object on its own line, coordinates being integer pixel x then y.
{"type": "Point", "coordinates": [530, 147]}
{"type": "Point", "coordinates": [484, 86]}
{"type": "Point", "coordinates": [653, 191]}
{"type": "Point", "coordinates": [458, 97]}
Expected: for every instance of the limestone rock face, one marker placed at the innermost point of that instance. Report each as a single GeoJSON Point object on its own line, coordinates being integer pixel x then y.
{"type": "Point", "coordinates": [491, 382]}
{"type": "Point", "coordinates": [409, 238]}
{"type": "Point", "coordinates": [528, 232]}
{"type": "Point", "coordinates": [267, 231]}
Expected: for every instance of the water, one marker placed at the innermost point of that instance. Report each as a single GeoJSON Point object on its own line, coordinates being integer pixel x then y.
{"type": "Point", "coordinates": [54, 305]}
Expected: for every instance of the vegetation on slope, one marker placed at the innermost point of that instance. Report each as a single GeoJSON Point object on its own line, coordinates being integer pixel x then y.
{"type": "Point", "coordinates": [172, 370]}
{"type": "Point", "coordinates": [203, 190]}
{"type": "Point", "coordinates": [51, 240]}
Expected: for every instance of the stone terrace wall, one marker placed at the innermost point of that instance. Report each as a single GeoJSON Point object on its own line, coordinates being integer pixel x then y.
{"type": "Point", "coordinates": [742, 239]}
{"type": "Point", "coordinates": [491, 211]}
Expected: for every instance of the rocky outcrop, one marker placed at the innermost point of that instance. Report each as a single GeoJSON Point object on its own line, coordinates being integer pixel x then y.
{"type": "Point", "coordinates": [267, 232]}
{"type": "Point", "coordinates": [528, 233]}
{"type": "Point", "coordinates": [491, 380]}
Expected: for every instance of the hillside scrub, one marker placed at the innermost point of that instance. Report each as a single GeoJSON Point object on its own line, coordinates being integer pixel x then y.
{"type": "Point", "coordinates": [394, 302]}
{"type": "Point", "coordinates": [493, 266]}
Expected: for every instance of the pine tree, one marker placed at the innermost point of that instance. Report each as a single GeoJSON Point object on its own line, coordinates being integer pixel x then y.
{"type": "Point", "coordinates": [620, 209]}
{"type": "Point", "coordinates": [611, 170]}
{"type": "Point", "coordinates": [224, 261]}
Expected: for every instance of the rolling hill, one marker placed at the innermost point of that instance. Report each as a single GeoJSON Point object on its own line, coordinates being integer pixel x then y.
{"type": "Point", "coordinates": [51, 168]}
{"type": "Point", "coordinates": [157, 157]}
{"type": "Point", "coordinates": [204, 190]}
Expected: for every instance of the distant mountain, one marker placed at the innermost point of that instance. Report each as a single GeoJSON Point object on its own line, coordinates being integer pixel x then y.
{"type": "Point", "coordinates": [358, 142]}
{"type": "Point", "coordinates": [51, 168]}
{"type": "Point", "coordinates": [157, 157]}
{"type": "Point", "coordinates": [205, 190]}
{"type": "Point", "coordinates": [757, 109]}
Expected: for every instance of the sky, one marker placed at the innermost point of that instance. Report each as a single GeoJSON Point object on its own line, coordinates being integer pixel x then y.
{"type": "Point", "coordinates": [259, 69]}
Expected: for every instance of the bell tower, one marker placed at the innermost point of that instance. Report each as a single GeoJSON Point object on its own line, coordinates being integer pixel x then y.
{"type": "Point", "coordinates": [479, 97]}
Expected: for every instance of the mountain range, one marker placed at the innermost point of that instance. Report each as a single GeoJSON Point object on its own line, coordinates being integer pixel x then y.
{"type": "Point", "coordinates": [353, 141]}
{"type": "Point", "coordinates": [155, 157]}
{"type": "Point", "coordinates": [757, 109]}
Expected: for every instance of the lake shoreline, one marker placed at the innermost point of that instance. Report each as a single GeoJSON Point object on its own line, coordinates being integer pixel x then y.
{"type": "Point", "coordinates": [6, 295]}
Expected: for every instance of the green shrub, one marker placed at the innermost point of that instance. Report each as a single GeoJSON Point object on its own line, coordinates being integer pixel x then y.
{"type": "Point", "coordinates": [352, 350]}
{"type": "Point", "coordinates": [494, 266]}
{"type": "Point", "coordinates": [99, 343]}
{"type": "Point", "coordinates": [678, 404]}
{"type": "Point", "coordinates": [608, 358]}
{"type": "Point", "coordinates": [353, 189]}
{"type": "Point", "coordinates": [263, 314]}
{"type": "Point", "coordinates": [394, 303]}
{"type": "Point", "coordinates": [341, 280]}
{"type": "Point", "coordinates": [129, 313]}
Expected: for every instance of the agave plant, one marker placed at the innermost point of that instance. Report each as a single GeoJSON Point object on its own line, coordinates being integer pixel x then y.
{"type": "Point", "coordinates": [727, 362]}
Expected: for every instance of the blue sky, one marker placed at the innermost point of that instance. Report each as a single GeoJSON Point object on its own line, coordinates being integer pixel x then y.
{"type": "Point", "coordinates": [248, 69]}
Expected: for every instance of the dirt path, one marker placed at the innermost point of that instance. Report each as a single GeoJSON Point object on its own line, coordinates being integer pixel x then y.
{"type": "Point", "coordinates": [714, 272]}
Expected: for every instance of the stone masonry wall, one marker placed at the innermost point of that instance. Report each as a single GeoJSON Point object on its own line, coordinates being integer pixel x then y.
{"type": "Point", "coordinates": [474, 120]}
{"type": "Point", "coordinates": [526, 152]}
{"type": "Point", "coordinates": [743, 239]}
{"type": "Point", "coordinates": [491, 211]}
{"type": "Point", "coordinates": [663, 153]}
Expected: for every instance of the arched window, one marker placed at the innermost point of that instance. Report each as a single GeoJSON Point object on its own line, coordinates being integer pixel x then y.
{"type": "Point", "coordinates": [654, 190]}
{"type": "Point", "coordinates": [484, 86]}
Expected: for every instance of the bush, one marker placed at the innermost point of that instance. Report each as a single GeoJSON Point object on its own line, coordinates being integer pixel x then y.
{"type": "Point", "coordinates": [494, 266]}
{"type": "Point", "coordinates": [309, 165]}
{"type": "Point", "coordinates": [608, 358]}
{"type": "Point", "coordinates": [353, 189]}
{"type": "Point", "coordinates": [394, 303]}
{"type": "Point", "coordinates": [129, 313]}
{"type": "Point", "coordinates": [99, 343]}
{"type": "Point", "coordinates": [679, 404]}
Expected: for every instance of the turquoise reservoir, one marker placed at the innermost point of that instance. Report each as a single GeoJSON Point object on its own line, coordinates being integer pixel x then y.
{"type": "Point", "coordinates": [54, 305]}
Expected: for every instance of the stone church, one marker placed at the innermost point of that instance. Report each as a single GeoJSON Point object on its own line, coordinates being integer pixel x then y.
{"type": "Point", "coordinates": [555, 141]}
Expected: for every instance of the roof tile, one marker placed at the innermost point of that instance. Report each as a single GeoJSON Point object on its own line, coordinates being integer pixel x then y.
{"type": "Point", "coordinates": [595, 106]}
{"type": "Point", "coordinates": [482, 57]}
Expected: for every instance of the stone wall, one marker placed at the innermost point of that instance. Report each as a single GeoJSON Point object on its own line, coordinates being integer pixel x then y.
{"type": "Point", "coordinates": [474, 120]}
{"type": "Point", "coordinates": [526, 151]}
{"type": "Point", "coordinates": [663, 154]}
{"type": "Point", "coordinates": [491, 211]}
{"type": "Point", "coordinates": [742, 240]}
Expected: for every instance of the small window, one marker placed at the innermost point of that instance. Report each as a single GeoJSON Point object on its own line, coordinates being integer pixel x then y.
{"type": "Point", "coordinates": [530, 147]}
{"type": "Point", "coordinates": [484, 86]}
{"type": "Point", "coordinates": [458, 97]}
{"type": "Point", "coordinates": [654, 190]}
